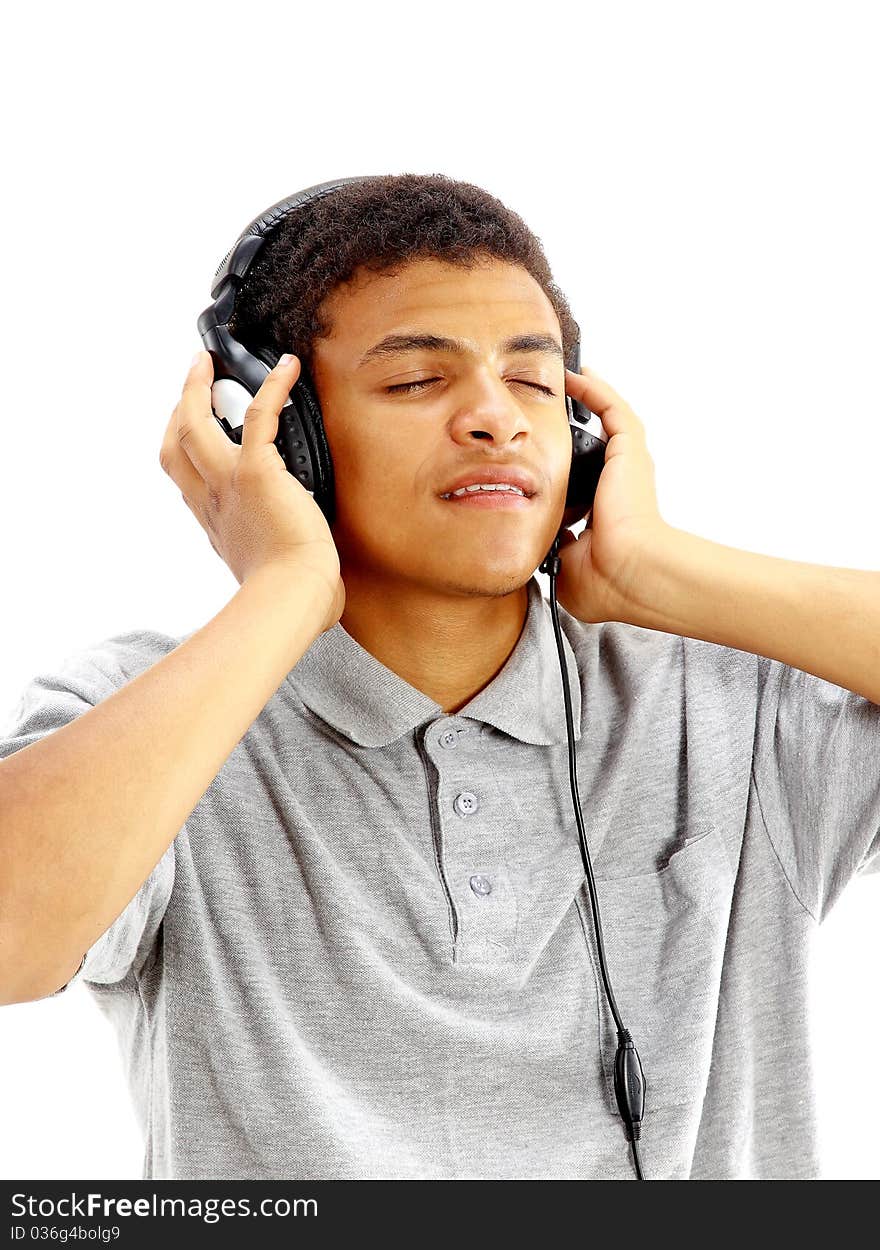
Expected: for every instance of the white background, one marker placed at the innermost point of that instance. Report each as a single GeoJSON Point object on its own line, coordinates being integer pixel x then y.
{"type": "Point", "coordinates": [703, 178]}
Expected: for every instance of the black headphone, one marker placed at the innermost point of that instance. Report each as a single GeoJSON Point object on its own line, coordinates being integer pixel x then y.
{"type": "Point", "coordinates": [302, 444]}
{"type": "Point", "coordinates": [302, 440]}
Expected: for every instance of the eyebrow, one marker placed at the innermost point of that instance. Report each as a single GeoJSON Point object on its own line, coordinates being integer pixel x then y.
{"type": "Point", "coordinates": [396, 344]}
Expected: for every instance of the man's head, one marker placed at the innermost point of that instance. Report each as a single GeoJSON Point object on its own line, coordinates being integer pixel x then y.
{"type": "Point", "coordinates": [424, 256]}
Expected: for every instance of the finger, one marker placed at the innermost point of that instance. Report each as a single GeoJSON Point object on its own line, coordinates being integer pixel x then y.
{"type": "Point", "coordinates": [198, 433]}
{"type": "Point", "coordinates": [174, 461]}
{"type": "Point", "coordinates": [612, 409]}
{"type": "Point", "coordinates": [261, 419]}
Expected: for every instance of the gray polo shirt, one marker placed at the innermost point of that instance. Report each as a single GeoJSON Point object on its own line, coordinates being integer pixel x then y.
{"type": "Point", "coordinates": [369, 951]}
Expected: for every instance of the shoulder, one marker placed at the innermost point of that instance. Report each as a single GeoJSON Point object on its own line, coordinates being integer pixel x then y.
{"type": "Point", "coordinates": [97, 668]}
{"type": "Point", "coordinates": [632, 658]}
{"type": "Point", "coordinates": [126, 654]}
{"type": "Point", "coordinates": [62, 688]}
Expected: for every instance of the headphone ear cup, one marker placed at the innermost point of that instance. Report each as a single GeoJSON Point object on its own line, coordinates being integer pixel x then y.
{"type": "Point", "coordinates": [574, 431]}
{"type": "Point", "coordinates": [302, 444]}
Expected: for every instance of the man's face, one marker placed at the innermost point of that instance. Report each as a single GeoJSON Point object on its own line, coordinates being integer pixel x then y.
{"type": "Point", "coordinates": [396, 451]}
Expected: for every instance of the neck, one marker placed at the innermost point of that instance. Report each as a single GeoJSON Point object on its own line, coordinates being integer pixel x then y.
{"type": "Point", "coordinates": [448, 646]}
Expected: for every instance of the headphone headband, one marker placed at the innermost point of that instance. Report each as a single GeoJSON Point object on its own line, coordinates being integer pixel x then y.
{"type": "Point", "coordinates": [238, 259]}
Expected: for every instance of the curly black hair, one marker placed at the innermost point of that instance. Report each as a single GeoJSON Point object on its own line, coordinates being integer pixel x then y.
{"type": "Point", "coordinates": [380, 222]}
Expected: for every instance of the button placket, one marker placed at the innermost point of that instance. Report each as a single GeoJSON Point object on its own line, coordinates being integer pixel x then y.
{"type": "Point", "coordinates": [437, 743]}
{"type": "Point", "coordinates": [488, 916]}
{"type": "Point", "coordinates": [444, 743]}
{"type": "Point", "coordinates": [481, 890]}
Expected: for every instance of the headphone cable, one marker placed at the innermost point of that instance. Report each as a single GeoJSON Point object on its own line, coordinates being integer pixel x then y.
{"type": "Point", "coordinates": [629, 1081]}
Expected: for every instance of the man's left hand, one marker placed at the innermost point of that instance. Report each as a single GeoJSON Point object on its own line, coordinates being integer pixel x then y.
{"type": "Point", "coordinates": [603, 568]}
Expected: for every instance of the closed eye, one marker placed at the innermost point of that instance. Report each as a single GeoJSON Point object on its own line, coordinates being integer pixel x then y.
{"type": "Point", "coordinates": [411, 386]}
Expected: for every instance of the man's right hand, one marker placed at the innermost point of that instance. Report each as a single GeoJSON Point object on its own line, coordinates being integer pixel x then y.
{"type": "Point", "coordinates": [254, 511]}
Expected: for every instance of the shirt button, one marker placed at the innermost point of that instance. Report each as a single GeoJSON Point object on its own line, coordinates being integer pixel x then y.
{"type": "Point", "coordinates": [449, 738]}
{"type": "Point", "coordinates": [466, 803]}
{"type": "Point", "coordinates": [481, 885]}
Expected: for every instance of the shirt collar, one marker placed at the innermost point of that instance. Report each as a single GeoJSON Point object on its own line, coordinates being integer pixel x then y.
{"type": "Point", "coordinates": [355, 693]}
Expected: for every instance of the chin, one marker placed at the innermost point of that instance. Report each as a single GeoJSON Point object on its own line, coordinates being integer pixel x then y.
{"type": "Point", "coordinates": [490, 570]}
{"type": "Point", "coordinates": [481, 579]}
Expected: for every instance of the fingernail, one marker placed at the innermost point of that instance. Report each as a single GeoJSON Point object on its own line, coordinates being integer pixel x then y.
{"type": "Point", "coordinates": [286, 359]}
{"type": "Point", "coordinates": [195, 360]}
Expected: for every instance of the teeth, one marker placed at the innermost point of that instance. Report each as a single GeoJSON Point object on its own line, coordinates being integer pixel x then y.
{"type": "Point", "coordinates": [502, 486]}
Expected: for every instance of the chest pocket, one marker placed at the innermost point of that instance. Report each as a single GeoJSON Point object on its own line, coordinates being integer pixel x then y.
{"type": "Point", "coordinates": [664, 935]}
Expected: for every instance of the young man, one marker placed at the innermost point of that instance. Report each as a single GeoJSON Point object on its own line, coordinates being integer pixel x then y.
{"type": "Point", "coordinates": [321, 852]}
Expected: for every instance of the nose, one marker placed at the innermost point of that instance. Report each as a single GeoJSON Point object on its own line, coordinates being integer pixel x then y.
{"type": "Point", "coordinates": [489, 410]}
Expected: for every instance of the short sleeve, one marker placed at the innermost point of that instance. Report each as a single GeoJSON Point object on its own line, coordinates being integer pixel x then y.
{"type": "Point", "coordinates": [53, 699]}
{"type": "Point", "coordinates": [816, 769]}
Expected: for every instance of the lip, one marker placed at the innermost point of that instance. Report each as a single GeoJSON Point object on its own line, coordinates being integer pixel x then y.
{"type": "Point", "coordinates": [507, 475]}
{"type": "Point", "coordinates": [493, 500]}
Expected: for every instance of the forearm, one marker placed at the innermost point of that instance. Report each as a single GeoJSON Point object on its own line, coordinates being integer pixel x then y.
{"type": "Point", "coordinates": [89, 810]}
{"type": "Point", "coordinates": [821, 619]}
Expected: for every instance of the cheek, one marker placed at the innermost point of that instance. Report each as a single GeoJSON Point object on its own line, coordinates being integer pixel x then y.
{"type": "Point", "coordinates": [376, 498]}
{"type": "Point", "coordinates": [361, 474]}
{"type": "Point", "coordinates": [557, 460]}
{"type": "Point", "coordinates": [379, 491]}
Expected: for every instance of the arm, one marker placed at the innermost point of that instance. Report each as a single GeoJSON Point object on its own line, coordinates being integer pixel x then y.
{"type": "Point", "coordinates": [815, 617]}
{"type": "Point", "coordinates": [632, 566]}
{"type": "Point", "coordinates": [88, 811]}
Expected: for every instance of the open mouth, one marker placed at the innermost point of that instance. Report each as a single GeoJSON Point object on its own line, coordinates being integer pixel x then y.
{"type": "Point", "coordinates": [482, 498]}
